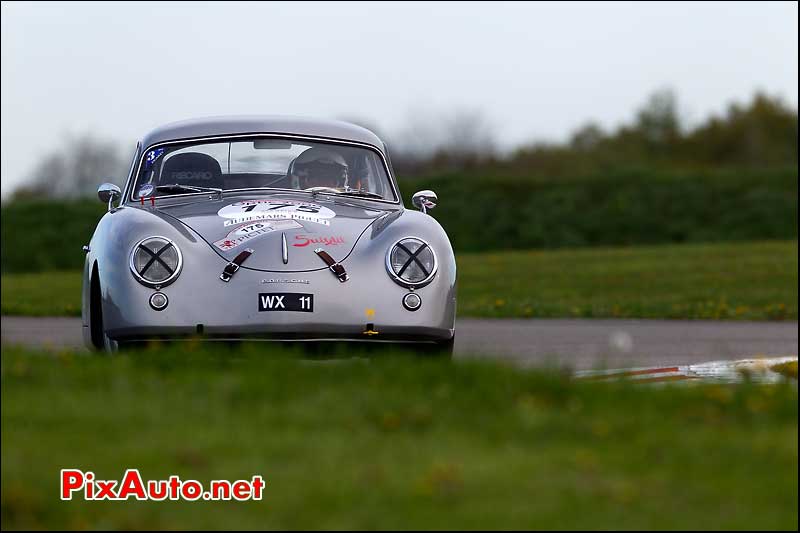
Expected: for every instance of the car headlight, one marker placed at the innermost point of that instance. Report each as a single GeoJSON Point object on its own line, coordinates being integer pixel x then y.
{"type": "Point", "coordinates": [411, 262]}
{"type": "Point", "coordinates": [156, 261]}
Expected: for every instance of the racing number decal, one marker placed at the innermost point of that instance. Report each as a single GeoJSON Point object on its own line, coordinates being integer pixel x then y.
{"type": "Point", "coordinates": [251, 210]}
{"type": "Point", "coordinates": [252, 230]}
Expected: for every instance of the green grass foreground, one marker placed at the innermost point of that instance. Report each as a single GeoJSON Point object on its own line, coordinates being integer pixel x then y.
{"type": "Point", "coordinates": [748, 281]}
{"type": "Point", "coordinates": [391, 441]}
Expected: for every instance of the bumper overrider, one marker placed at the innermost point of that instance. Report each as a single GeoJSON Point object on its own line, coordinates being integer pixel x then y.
{"type": "Point", "coordinates": [368, 307]}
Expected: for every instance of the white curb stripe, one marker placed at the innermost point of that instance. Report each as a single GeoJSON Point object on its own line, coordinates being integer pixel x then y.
{"type": "Point", "coordinates": [756, 369]}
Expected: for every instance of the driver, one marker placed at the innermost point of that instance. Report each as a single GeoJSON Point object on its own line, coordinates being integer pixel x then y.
{"type": "Point", "coordinates": [319, 167]}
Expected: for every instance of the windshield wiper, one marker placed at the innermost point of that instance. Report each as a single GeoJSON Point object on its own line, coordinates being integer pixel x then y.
{"type": "Point", "coordinates": [362, 194]}
{"type": "Point", "coordinates": [178, 188]}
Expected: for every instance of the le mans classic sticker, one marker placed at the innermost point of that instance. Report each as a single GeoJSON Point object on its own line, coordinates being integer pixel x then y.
{"type": "Point", "coordinates": [146, 190]}
{"type": "Point", "coordinates": [252, 210]}
{"type": "Point", "coordinates": [251, 230]}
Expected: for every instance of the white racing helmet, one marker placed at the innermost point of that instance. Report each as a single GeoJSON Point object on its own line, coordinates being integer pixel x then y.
{"type": "Point", "coordinates": [319, 167]}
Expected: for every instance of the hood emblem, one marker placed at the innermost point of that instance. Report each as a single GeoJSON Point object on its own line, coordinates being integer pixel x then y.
{"type": "Point", "coordinates": [284, 249]}
{"type": "Point", "coordinates": [293, 280]}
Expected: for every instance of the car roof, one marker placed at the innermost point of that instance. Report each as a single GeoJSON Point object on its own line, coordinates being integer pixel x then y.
{"type": "Point", "coordinates": [235, 125]}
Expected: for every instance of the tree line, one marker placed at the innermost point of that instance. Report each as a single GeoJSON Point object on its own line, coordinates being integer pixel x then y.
{"type": "Point", "coordinates": [761, 133]}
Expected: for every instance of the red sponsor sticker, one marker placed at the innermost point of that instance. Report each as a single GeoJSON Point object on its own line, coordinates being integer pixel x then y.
{"type": "Point", "coordinates": [305, 240]}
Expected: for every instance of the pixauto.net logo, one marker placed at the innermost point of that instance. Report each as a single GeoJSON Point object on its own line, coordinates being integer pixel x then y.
{"type": "Point", "coordinates": [174, 488]}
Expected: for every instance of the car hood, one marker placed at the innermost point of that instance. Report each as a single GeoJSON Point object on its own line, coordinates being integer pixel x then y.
{"type": "Point", "coordinates": [231, 225]}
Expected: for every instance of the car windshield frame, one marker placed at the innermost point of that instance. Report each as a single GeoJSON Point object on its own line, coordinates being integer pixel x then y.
{"type": "Point", "coordinates": [134, 177]}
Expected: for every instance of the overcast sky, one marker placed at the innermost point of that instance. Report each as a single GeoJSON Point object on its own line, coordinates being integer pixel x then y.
{"type": "Point", "coordinates": [537, 71]}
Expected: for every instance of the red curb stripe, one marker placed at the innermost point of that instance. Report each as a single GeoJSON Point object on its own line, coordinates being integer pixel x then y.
{"type": "Point", "coordinates": [666, 378]}
{"type": "Point", "coordinates": [634, 373]}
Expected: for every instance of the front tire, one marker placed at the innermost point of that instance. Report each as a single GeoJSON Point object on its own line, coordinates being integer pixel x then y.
{"type": "Point", "coordinates": [100, 341]}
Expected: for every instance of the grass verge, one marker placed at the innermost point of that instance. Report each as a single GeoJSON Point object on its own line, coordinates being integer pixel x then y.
{"type": "Point", "coordinates": [787, 369]}
{"type": "Point", "coordinates": [42, 294]}
{"type": "Point", "coordinates": [749, 281]}
{"type": "Point", "coordinates": [391, 442]}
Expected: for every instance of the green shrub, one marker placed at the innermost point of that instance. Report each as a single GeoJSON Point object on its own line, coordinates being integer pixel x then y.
{"type": "Point", "coordinates": [47, 235]}
{"type": "Point", "coordinates": [624, 208]}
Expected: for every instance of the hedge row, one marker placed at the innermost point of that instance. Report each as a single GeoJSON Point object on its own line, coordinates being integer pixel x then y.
{"type": "Point", "coordinates": [483, 213]}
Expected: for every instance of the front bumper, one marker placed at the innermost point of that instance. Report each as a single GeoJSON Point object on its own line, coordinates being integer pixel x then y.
{"type": "Point", "coordinates": [366, 308]}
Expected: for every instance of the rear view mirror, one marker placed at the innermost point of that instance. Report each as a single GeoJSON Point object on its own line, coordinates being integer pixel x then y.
{"type": "Point", "coordinates": [272, 144]}
{"type": "Point", "coordinates": [424, 200]}
{"type": "Point", "coordinates": [108, 192]}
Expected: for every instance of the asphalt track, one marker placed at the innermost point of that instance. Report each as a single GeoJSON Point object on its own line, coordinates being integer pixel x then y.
{"type": "Point", "coordinates": [579, 344]}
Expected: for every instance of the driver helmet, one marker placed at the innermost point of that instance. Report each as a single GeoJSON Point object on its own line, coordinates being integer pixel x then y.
{"type": "Point", "coordinates": [318, 167]}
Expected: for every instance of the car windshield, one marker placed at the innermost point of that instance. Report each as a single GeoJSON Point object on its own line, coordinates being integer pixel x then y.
{"type": "Point", "coordinates": [263, 163]}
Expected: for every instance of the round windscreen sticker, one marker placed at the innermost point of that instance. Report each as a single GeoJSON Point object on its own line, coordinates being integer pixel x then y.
{"type": "Point", "coordinates": [146, 190]}
{"type": "Point", "coordinates": [250, 210]}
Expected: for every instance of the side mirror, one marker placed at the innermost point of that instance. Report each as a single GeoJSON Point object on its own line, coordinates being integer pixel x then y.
{"type": "Point", "coordinates": [108, 192]}
{"type": "Point", "coordinates": [424, 200]}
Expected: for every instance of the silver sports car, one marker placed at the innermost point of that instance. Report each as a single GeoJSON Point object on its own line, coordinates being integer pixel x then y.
{"type": "Point", "coordinates": [266, 228]}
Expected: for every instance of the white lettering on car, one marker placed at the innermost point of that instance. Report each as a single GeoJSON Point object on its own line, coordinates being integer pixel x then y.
{"type": "Point", "coordinates": [272, 302]}
{"type": "Point", "coordinates": [252, 210]}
